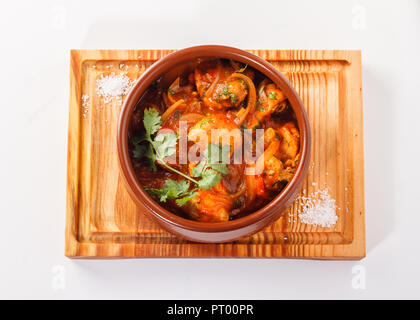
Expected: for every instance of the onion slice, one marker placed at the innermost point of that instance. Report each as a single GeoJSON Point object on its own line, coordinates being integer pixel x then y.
{"type": "Point", "coordinates": [252, 96]}
{"type": "Point", "coordinates": [171, 109]}
{"type": "Point", "coordinates": [214, 83]}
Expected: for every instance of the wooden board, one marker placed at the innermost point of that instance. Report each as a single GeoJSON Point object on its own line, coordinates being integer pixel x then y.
{"type": "Point", "coordinates": [103, 222]}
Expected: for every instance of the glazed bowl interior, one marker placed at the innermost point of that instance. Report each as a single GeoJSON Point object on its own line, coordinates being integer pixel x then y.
{"type": "Point", "coordinates": [167, 69]}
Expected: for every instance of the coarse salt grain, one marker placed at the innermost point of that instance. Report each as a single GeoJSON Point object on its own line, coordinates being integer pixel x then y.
{"type": "Point", "coordinates": [318, 209]}
{"type": "Point", "coordinates": [113, 86]}
{"type": "Point", "coordinates": [85, 105]}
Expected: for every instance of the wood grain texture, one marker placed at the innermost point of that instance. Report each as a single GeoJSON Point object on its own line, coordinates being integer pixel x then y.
{"type": "Point", "coordinates": [103, 222]}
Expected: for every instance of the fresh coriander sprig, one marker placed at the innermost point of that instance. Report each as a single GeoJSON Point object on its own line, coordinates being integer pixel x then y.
{"type": "Point", "coordinates": [157, 149]}
{"type": "Point", "coordinates": [172, 189]}
{"type": "Point", "coordinates": [209, 170]}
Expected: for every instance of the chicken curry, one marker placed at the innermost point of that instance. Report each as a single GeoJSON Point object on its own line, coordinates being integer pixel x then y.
{"type": "Point", "coordinates": [210, 177]}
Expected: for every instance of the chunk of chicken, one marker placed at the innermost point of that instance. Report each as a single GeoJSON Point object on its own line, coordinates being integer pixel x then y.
{"type": "Point", "coordinates": [230, 93]}
{"type": "Point", "coordinates": [275, 174]}
{"type": "Point", "coordinates": [275, 98]}
{"type": "Point", "coordinates": [289, 145]}
{"type": "Point", "coordinates": [268, 168]}
{"type": "Point", "coordinates": [280, 155]}
{"type": "Point", "coordinates": [269, 135]}
{"type": "Point", "coordinates": [270, 99]}
{"type": "Point", "coordinates": [211, 205]}
{"type": "Point", "coordinates": [217, 90]}
{"type": "Point", "coordinates": [216, 128]}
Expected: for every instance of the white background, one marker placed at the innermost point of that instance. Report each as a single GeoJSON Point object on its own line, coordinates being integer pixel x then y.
{"type": "Point", "coordinates": [35, 39]}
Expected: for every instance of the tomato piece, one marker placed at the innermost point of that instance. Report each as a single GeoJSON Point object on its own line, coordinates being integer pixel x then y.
{"type": "Point", "coordinates": [259, 186]}
{"type": "Point", "coordinates": [165, 130]}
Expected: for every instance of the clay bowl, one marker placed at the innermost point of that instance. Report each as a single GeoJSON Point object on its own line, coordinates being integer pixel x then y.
{"type": "Point", "coordinates": [167, 69]}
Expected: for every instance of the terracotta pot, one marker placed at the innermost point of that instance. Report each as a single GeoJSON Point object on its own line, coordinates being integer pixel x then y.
{"type": "Point", "coordinates": [168, 67]}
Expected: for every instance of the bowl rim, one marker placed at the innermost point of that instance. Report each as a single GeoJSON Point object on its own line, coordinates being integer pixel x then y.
{"type": "Point", "coordinates": [165, 64]}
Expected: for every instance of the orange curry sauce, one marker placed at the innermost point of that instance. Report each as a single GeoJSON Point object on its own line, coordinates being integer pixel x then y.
{"type": "Point", "coordinates": [223, 94]}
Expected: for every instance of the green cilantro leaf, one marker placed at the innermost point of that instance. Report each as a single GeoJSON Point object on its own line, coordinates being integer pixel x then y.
{"type": "Point", "coordinates": [152, 121]}
{"type": "Point", "coordinates": [213, 167]}
{"type": "Point", "coordinates": [261, 90]}
{"type": "Point", "coordinates": [209, 170]}
{"type": "Point", "coordinates": [175, 189]}
{"type": "Point", "coordinates": [272, 95]}
{"type": "Point", "coordinates": [171, 190]}
{"type": "Point", "coordinates": [216, 154]}
{"type": "Point", "coordinates": [150, 154]}
{"type": "Point", "coordinates": [184, 200]}
{"type": "Point", "coordinates": [139, 151]}
{"type": "Point", "coordinates": [165, 144]}
{"type": "Point", "coordinates": [220, 167]}
{"type": "Point", "coordinates": [213, 162]}
{"type": "Point", "coordinates": [233, 98]}
{"type": "Point", "coordinates": [198, 169]}
{"type": "Point", "coordinates": [209, 179]}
